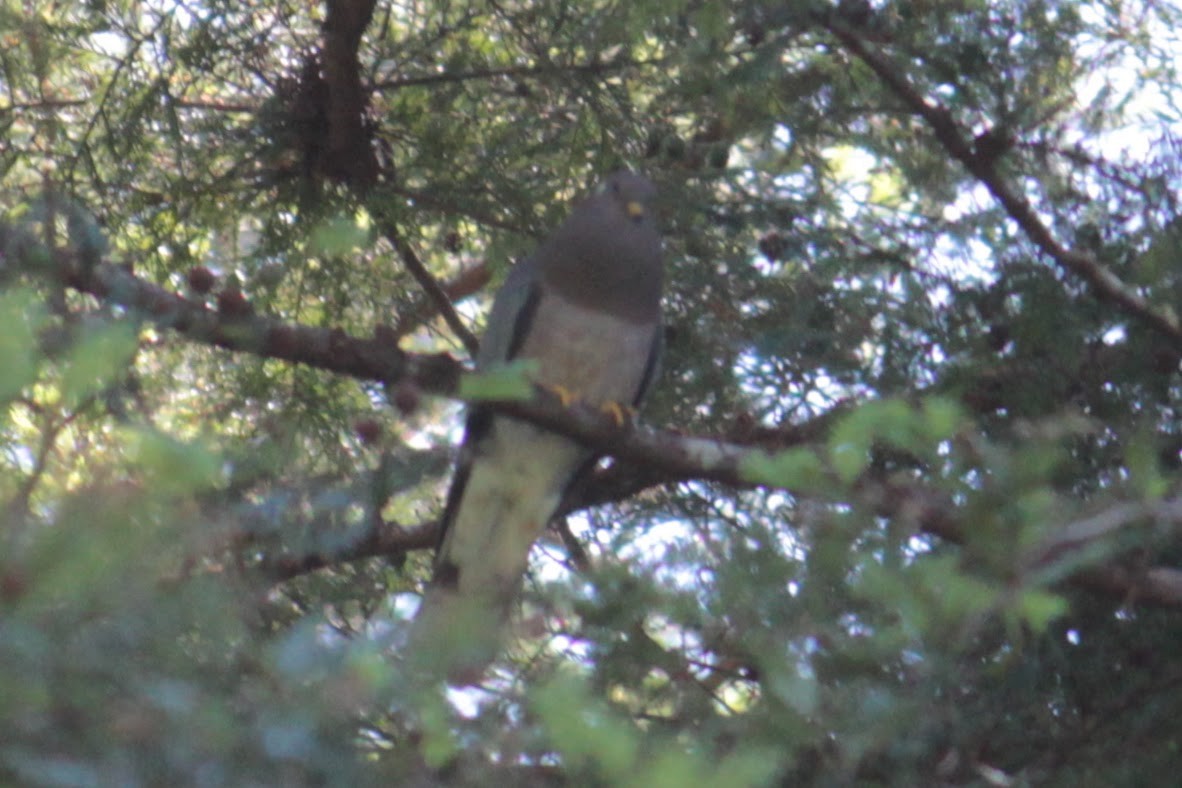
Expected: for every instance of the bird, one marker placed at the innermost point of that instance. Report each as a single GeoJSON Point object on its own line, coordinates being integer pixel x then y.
{"type": "Point", "coordinates": [585, 309]}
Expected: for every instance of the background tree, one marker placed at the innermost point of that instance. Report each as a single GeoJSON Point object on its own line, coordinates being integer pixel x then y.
{"type": "Point", "coordinates": [911, 514]}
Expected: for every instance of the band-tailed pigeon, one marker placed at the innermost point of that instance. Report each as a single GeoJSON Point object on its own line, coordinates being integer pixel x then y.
{"type": "Point", "coordinates": [585, 307]}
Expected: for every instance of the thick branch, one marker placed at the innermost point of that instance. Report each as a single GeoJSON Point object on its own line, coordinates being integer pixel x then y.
{"type": "Point", "coordinates": [378, 360]}
{"type": "Point", "coordinates": [650, 456]}
{"type": "Point", "coordinates": [350, 157]}
{"type": "Point", "coordinates": [329, 349]}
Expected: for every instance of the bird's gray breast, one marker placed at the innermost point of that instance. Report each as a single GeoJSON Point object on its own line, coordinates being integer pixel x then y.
{"type": "Point", "coordinates": [596, 356]}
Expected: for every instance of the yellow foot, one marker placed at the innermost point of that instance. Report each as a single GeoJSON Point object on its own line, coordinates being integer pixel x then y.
{"type": "Point", "coordinates": [565, 395]}
{"type": "Point", "coordinates": [621, 414]}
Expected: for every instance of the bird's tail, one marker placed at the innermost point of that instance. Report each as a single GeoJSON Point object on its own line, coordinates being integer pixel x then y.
{"type": "Point", "coordinates": [455, 636]}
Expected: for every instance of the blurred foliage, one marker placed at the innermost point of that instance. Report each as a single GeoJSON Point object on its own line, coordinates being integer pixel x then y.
{"type": "Point", "coordinates": [181, 598]}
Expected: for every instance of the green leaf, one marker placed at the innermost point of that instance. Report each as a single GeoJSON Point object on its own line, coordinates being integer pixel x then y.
{"type": "Point", "coordinates": [438, 745]}
{"type": "Point", "coordinates": [340, 235]}
{"type": "Point", "coordinates": [892, 422]}
{"type": "Point", "coordinates": [942, 418]}
{"type": "Point", "coordinates": [171, 466]}
{"type": "Point", "coordinates": [848, 459]}
{"type": "Point", "coordinates": [22, 316]}
{"type": "Point", "coordinates": [929, 595]}
{"type": "Point", "coordinates": [672, 769]}
{"type": "Point", "coordinates": [586, 732]}
{"type": "Point", "coordinates": [505, 382]}
{"type": "Point", "coordinates": [712, 20]}
{"type": "Point", "coordinates": [798, 691]}
{"type": "Point", "coordinates": [748, 767]}
{"type": "Point", "coordinates": [1141, 456]}
{"type": "Point", "coordinates": [97, 360]}
{"type": "Point", "coordinates": [793, 469]}
{"type": "Point", "coordinates": [1038, 609]}
{"type": "Point", "coordinates": [852, 436]}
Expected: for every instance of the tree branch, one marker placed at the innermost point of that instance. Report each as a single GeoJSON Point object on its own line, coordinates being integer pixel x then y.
{"type": "Point", "coordinates": [388, 539]}
{"type": "Point", "coordinates": [1105, 284]}
{"type": "Point", "coordinates": [329, 349]}
{"type": "Point", "coordinates": [593, 68]}
{"type": "Point", "coordinates": [660, 456]}
{"type": "Point", "coordinates": [1070, 549]}
{"type": "Point", "coordinates": [432, 287]}
{"type": "Point", "coordinates": [349, 155]}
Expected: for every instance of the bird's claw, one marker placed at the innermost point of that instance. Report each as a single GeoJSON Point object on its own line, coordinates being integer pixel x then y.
{"type": "Point", "coordinates": [621, 414]}
{"type": "Point", "coordinates": [565, 395]}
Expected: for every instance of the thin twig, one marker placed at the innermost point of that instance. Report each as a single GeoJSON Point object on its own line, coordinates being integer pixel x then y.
{"type": "Point", "coordinates": [432, 287]}
{"type": "Point", "coordinates": [510, 71]}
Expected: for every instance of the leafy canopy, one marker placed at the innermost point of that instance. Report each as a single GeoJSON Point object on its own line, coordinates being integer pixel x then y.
{"type": "Point", "coordinates": [922, 300]}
